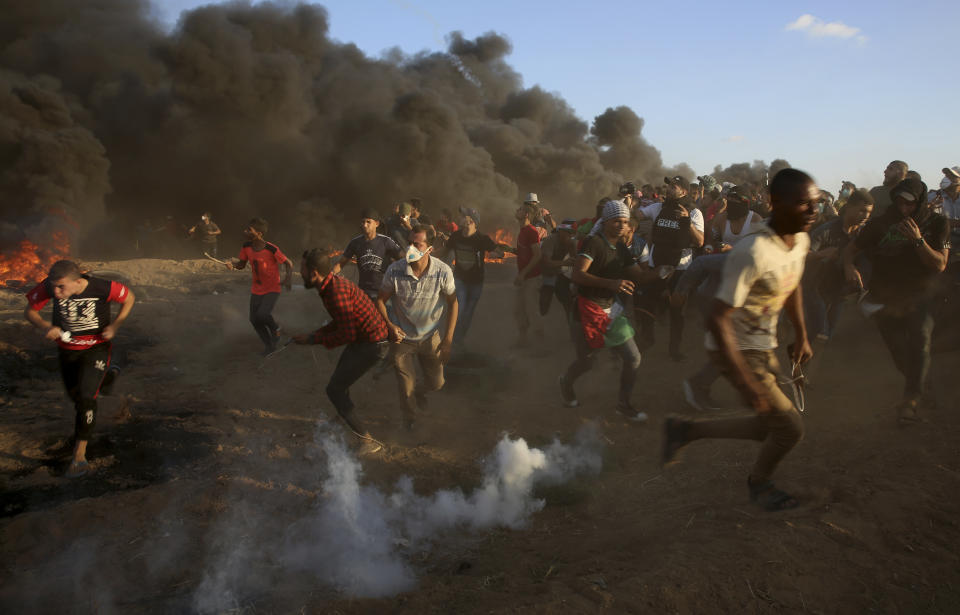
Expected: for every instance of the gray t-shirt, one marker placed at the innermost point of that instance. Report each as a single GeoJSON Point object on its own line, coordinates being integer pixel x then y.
{"type": "Point", "coordinates": [417, 304]}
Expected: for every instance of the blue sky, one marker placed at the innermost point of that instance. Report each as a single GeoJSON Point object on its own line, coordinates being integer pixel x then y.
{"type": "Point", "coordinates": [848, 89]}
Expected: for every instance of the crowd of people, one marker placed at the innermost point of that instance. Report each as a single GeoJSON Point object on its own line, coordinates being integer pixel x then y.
{"type": "Point", "coordinates": [741, 253]}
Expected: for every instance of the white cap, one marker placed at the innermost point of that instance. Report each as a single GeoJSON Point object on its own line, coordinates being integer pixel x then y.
{"type": "Point", "coordinates": [531, 198]}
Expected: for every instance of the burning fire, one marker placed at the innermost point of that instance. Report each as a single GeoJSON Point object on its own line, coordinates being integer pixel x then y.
{"type": "Point", "coordinates": [29, 262]}
{"type": "Point", "coordinates": [501, 236]}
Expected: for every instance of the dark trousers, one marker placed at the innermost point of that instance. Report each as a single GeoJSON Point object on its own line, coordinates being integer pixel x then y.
{"type": "Point", "coordinates": [355, 361]}
{"type": "Point", "coordinates": [261, 317]}
{"type": "Point", "coordinates": [649, 306]}
{"type": "Point", "coordinates": [83, 372]}
{"type": "Point", "coordinates": [555, 286]}
{"type": "Point", "coordinates": [907, 334]}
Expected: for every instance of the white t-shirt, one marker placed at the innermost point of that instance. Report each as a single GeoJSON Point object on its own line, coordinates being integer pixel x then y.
{"type": "Point", "coordinates": [759, 274]}
{"type": "Point", "coordinates": [652, 210]}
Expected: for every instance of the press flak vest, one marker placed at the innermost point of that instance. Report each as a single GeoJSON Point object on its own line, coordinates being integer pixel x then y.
{"type": "Point", "coordinates": [670, 235]}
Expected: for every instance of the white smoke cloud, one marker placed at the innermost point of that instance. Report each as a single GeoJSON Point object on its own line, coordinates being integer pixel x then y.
{"type": "Point", "coordinates": [358, 538]}
{"type": "Point", "coordinates": [817, 28]}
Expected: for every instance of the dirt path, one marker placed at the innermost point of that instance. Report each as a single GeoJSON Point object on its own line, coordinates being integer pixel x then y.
{"type": "Point", "coordinates": [207, 455]}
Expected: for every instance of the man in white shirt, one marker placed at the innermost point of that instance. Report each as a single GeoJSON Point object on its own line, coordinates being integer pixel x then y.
{"type": "Point", "coordinates": [677, 230]}
{"type": "Point", "coordinates": [760, 277]}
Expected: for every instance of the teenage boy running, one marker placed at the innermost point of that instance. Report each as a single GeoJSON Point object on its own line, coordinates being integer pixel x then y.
{"type": "Point", "coordinates": [265, 259]}
{"type": "Point", "coordinates": [82, 328]}
{"type": "Point", "coordinates": [373, 252]}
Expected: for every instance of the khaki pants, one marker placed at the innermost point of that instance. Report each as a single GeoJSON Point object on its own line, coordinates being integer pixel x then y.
{"type": "Point", "coordinates": [779, 430]}
{"type": "Point", "coordinates": [527, 304]}
{"type": "Point", "coordinates": [426, 353]}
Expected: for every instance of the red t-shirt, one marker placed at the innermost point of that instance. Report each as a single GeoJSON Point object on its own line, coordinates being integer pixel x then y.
{"type": "Point", "coordinates": [83, 315]}
{"type": "Point", "coordinates": [265, 266]}
{"type": "Point", "coordinates": [526, 239]}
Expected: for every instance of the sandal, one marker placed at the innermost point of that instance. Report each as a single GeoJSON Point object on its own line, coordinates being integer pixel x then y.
{"type": "Point", "coordinates": [768, 497]}
{"type": "Point", "coordinates": [77, 469]}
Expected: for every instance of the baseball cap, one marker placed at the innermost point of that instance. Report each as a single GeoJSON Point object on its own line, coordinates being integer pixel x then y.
{"type": "Point", "coordinates": [677, 180]}
{"type": "Point", "coordinates": [405, 209]}
{"type": "Point", "coordinates": [531, 198]}
{"type": "Point", "coordinates": [910, 189]}
{"type": "Point", "coordinates": [737, 194]}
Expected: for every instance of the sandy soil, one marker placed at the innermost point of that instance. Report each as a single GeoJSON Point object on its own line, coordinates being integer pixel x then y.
{"type": "Point", "coordinates": [205, 452]}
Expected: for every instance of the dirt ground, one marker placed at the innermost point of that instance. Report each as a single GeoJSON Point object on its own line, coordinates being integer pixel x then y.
{"type": "Point", "coordinates": [205, 452]}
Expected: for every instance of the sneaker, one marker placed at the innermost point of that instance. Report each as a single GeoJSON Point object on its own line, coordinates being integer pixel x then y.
{"type": "Point", "coordinates": [567, 394]}
{"type": "Point", "coordinates": [109, 379]}
{"type": "Point", "coordinates": [630, 413]}
{"type": "Point", "coordinates": [698, 399]}
{"type": "Point", "coordinates": [907, 412]}
{"type": "Point", "coordinates": [77, 469]}
{"type": "Point", "coordinates": [674, 438]}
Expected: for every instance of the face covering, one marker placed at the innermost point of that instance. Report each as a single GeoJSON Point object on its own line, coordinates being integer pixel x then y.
{"type": "Point", "coordinates": [413, 254]}
{"type": "Point", "coordinates": [945, 183]}
{"type": "Point", "coordinates": [845, 193]}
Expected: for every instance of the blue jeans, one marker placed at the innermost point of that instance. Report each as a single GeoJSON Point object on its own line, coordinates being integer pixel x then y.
{"type": "Point", "coordinates": [467, 297]}
{"type": "Point", "coordinates": [822, 308]}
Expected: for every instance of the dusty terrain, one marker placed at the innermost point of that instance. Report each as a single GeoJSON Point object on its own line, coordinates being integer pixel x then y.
{"type": "Point", "coordinates": [206, 453]}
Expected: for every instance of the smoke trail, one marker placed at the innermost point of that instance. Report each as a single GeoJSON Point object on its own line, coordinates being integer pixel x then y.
{"type": "Point", "coordinates": [359, 536]}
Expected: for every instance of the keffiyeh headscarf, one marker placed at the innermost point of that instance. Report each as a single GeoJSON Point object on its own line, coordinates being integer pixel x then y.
{"type": "Point", "coordinates": [611, 211]}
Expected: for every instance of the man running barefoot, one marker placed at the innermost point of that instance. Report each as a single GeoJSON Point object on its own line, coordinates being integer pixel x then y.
{"type": "Point", "coordinates": [82, 328]}
{"type": "Point", "coordinates": [265, 259]}
{"type": "Point", "coordinates": [761, 276]}
{"type": "Point", "coordinates": [355, 322]}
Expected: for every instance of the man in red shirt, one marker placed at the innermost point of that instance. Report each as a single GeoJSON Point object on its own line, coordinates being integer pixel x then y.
{"type": "Point", "coordinates": [82, 328]}
{"type": "Point", "coordinates": [265, 259]}
{"type": "Point", "coordinates": [355, 322]}
{"type": "Point", "coordinates": [528, 269]}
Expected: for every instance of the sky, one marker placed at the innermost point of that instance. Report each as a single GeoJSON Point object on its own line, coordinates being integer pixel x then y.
{"type": "Point", "coordinates": [837, 89]}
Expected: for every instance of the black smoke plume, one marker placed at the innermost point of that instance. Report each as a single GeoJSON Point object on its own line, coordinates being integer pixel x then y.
{"type": "Point", "coordinates": [248, 110]}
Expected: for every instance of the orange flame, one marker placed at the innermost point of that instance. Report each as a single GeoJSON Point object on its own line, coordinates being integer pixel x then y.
{"type": "Point", "coordinates": [501, 236]}
{"type": "Point", "coordinates": [30, 262]}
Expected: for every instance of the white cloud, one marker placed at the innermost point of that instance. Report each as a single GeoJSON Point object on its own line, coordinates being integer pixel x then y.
{"type": "Point", "coordinates": [815, 27]}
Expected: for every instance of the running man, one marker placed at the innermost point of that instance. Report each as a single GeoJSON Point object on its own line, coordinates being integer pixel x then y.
{"type": "Point", "coordinates": [373, 252]}
{"type": "Point", "coordinates": [82, 328]}
{"type": "Point", "coordinates": [265, 259]}
{"type": "Point", "coordinates": [355, 322]}
{"type": "Point", "coordinates": [760, 277]}
{"type": "Point", "coordinates": [422, 294]}
{"type": "Point", "coordinates": [603, 269]}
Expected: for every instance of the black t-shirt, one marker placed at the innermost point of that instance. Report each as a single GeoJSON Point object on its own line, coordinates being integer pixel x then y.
{"type": "Point", "coordinates": [469, 252]}
{"type": "Point", "coordinates": [899, 276]}
{"type": "Point", "coordinates": [828, 272]}
{"type": "Point", "coordinates": [207, 232]}
{"type": "Point", "coordinates": [607, 261]}
{"type": "Point", "coordinates": [373, 257]}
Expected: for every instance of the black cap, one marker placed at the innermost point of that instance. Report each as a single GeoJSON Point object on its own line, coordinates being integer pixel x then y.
{"type": "Point", "coordinates": [677, 180]}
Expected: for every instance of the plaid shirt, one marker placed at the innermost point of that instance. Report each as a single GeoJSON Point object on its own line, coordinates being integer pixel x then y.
{"type": "Point", "coordinates": [354, 317]}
